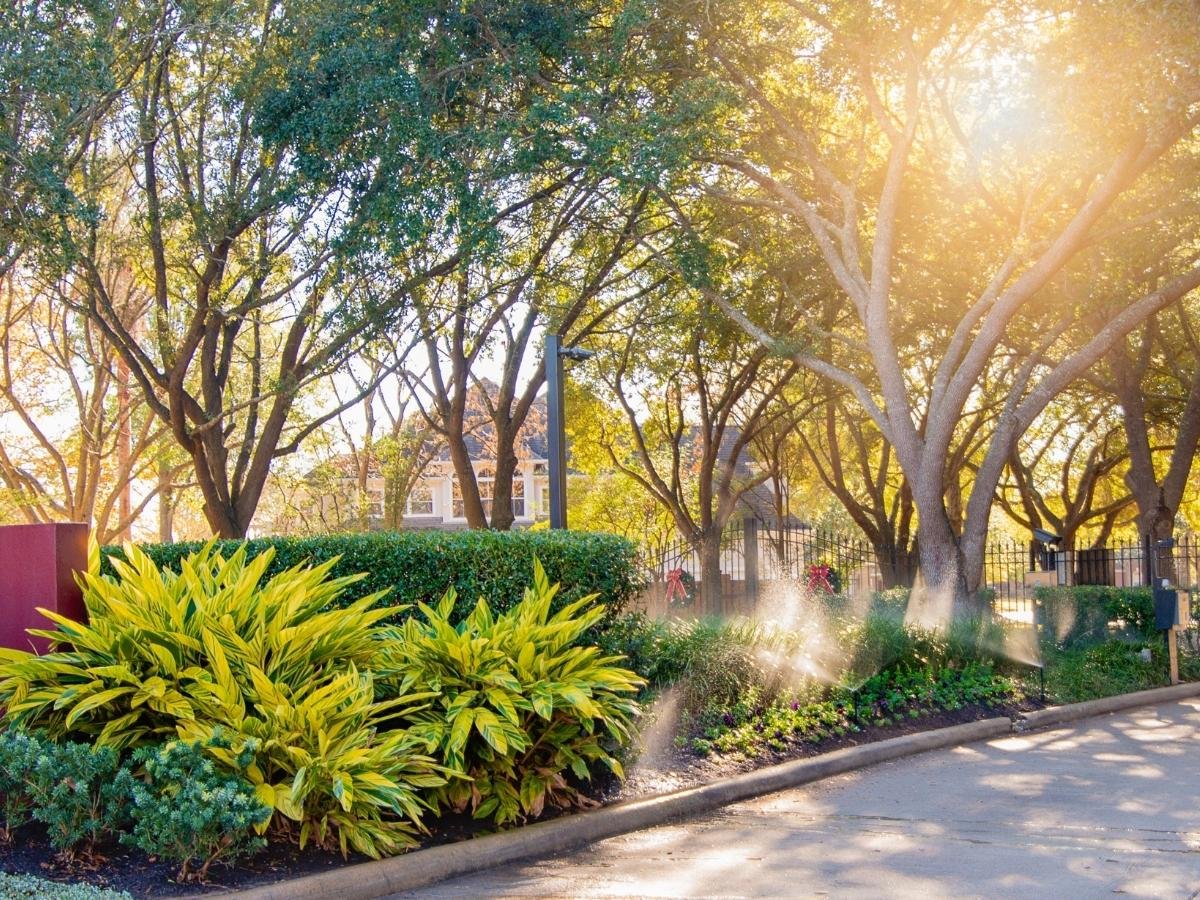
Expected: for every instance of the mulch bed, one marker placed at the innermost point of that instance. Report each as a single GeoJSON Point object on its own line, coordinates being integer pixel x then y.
{"type": "Point", "coordinates": [123, 868]}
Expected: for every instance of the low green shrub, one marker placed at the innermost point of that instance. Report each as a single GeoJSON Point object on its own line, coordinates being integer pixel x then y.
{"type": "Point", "coordinates": [893, 601]}
{"type": "Point", "coordinates": [714, 660]}
{"type": "Point", "coordinates": [422, 565]}
{"type": "Point", "coordinates": [74, 794]}
{"type": "Point", "coordinates": [517, 704]}
{"type": "Point", "coordinates": [884, 641]}
{"type": "Point", "coordinates": [710, 659]}
{"type": "Point", "coordinates": [642, 642]}
{"type": "Point", "coordinates": [16, 887]}
{"type": "Point", "coordinates": [184, 809]}
{"type": "Point", "coordinates": [1079, 673]}
{"type": "Point", "coordinates": [1088, 614]}
{"type": "Point", "coordinates": [18, 753]}
{"type": "Point", "coordinates": [751, 727]}
{"type": "Point", "coordinates": [719, 661]}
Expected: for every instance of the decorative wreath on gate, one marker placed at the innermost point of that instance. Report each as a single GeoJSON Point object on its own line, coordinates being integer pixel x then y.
{"type": "Point", "coordinates": [681, 588]}
{"type": "Point", "coordinates": [822, 578]}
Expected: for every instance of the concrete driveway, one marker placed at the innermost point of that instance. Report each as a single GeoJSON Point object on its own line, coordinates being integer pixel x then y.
{"type": "Point", "coordinates": [1108, 807]}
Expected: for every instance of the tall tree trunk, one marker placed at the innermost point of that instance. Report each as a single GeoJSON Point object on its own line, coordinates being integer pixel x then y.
{"type": "Point", "coordinates": [124, 450]}
{"type": "Point", "coordinates": [502, 488]}
{"type": "Point", "coordinates": [1157, 498]}
{"type": "Point", "coordinates": [897, 565]}
{"type": "Point", "coordinates": [464, 471]}
{"type": "Point", "coordinates": [943, 590]}
{"type": "Point", "coordinates": [166, 499]}
{"type": "Point", "coordinates": [711, 594]}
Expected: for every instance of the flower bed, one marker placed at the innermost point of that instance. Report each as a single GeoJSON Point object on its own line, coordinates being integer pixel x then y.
{"type": "Point", "coordinates": [226, 712]}
{"type": "Point", "coordinates": [201, 710]}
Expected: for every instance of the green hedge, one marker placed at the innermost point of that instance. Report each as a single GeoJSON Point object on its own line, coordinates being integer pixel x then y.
{"type": "Point", "coordinates": [1089, 614]}
{"type": "Point", "coordinates": [420, 565]}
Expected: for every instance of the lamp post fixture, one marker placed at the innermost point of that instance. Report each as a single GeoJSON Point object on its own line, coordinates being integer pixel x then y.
{"type": "Point", "coordinates": [555, 426]}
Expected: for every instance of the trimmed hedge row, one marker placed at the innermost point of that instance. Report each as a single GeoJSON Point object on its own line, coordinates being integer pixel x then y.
{"type": "Point", "coordinates": [1089, 614]}
{"type": "Point", "coordinates": [421, 565]}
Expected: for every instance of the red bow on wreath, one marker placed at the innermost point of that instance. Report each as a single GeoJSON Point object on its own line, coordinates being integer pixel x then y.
{"type": "Point", "coordinates": [675, 587]}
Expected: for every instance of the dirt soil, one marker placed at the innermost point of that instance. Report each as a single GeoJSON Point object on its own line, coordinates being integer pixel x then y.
{"type": "Point", "coordinates": [659, 768]}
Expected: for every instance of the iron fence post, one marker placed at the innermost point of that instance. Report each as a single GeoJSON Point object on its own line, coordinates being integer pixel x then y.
{"type": "Point", "coordinates": [750, 556]}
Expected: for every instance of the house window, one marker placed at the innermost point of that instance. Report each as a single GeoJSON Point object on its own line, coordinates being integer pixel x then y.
{"type": "Point", "coordinates": [485, 480]}
{"type": "Point", "coordinates": [374, 498]}
{"type": "Point", "coordinates": [420, 500]}
{"type": "Point", "coordinates": [541, 484]}
{"type": "Point", "coordinates": [518, 497]}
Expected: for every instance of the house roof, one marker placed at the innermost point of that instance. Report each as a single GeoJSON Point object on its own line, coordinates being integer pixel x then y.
{"type": "Point", "coordinates": [532, 442]}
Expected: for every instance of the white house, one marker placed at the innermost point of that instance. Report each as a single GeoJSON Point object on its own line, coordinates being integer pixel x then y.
{"type": "Point", "coordinates": [436, 498]}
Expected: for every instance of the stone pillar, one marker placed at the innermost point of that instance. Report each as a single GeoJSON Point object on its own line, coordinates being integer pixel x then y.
{"type": "Point", "coordinates": [37, 569]}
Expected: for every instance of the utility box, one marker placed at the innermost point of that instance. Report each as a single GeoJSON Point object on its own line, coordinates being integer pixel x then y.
{"type": "Point", "coordinates": [37, 569]}
{"type": "Point", "coordinates": [1172, 608]}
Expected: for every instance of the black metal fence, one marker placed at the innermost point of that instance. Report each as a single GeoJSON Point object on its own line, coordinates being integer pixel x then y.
{"type": "Point", "coordinates": [786, 551]}
{"type": "Point", "coordinates": [752, 552]}
{"type": "Point", "coordinates": [1014, 569]}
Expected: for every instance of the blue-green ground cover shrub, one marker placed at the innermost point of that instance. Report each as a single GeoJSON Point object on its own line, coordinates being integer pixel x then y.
{"type": "Point", "coordinates": [18, 753]}
{"type": "Point", "coordinates": [422, 565]}
{"type": "Point", "coordinates": [173, 801]}
{"type": "Point", "coordinates": [16, 887]}
{"type": "Point", "coordinates": [73, 792]}
{"type": "Point", "coordinates": [186, 809]}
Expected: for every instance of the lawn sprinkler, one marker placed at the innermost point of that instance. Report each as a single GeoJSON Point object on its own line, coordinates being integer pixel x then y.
{"type": "Point", "coordinates": [1041, 670]}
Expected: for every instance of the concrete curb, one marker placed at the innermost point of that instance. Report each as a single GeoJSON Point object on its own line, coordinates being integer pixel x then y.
{"type": "Point", "coordinates": [1057, 715]}
{"type": "Point", "coordinates": [413, 870]}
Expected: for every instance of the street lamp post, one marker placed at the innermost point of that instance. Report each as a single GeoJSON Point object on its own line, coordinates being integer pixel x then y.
{"type": "Point", "coordinates": [556, 433]}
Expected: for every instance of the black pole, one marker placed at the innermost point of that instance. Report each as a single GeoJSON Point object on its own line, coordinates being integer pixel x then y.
{"type": "Point", "coordinates": [750, 556]}
{"type": "Point", "coordinates": [556, 437]}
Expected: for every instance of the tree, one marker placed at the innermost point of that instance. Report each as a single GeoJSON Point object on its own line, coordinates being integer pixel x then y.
{"type": "Point", "coordinates": [63, 63]}
{"type": "Point", "coordinates": [76, 440]}
{"type": "Point", "coordinates": [695, 395]}
{"type": "Point", "coordinates": [600, 498]}
{"type": "Point", "coordinates": [384, 439]}
{"type": "Point", "coordinates": [302, 171]}
{"type": "Point", "coordinates": [572, 257]}
{"type": "Point", "coordinates": [857, 465]}
{"type": "Point", "coordinates": [1154, 374]}
{"type": "Point", "coordinates": [1064, 476]}
{"type": "Point", "coordinates": [881, 132]}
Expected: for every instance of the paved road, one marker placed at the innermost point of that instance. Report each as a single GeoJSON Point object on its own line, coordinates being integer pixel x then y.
{"type": "Point", "coordinates": [1109, 807]}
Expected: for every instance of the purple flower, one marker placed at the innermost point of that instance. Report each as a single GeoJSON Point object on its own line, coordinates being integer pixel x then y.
{"type": "Point", "coordinates": [729, 720]}
{"type": "Point", "coordinates": [795, 705]}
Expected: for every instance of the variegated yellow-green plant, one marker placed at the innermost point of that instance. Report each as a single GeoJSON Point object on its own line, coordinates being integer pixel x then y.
{"type": "Point", "coordinates": [520, 703]}
{"type": "Point", "coordinates": [272, 663]}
